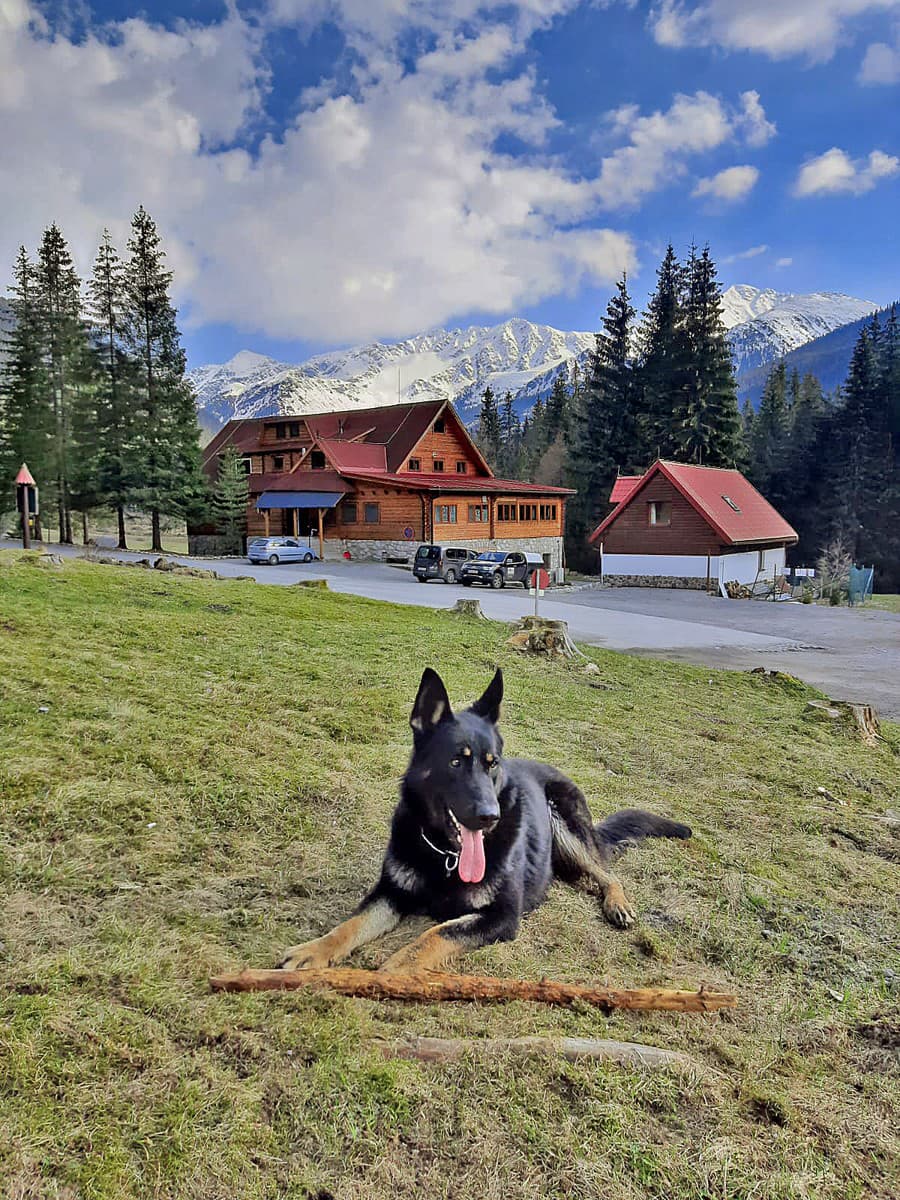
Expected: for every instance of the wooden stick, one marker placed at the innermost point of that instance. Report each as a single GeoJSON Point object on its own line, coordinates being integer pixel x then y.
{"type": "Point", "coordinates": [629, 1054]}
{"type": "Point", "coordinates": [433, 985]}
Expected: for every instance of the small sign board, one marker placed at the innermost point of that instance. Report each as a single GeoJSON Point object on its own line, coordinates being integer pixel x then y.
{"type": "Point", "coordinates": [540, 580]}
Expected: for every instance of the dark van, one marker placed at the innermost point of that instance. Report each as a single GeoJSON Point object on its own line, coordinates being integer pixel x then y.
{"type": "Point", "coordinates": [440, 562]}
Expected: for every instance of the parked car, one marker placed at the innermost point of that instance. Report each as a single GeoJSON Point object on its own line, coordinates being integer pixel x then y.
{"type": "Point", "coordinates": [441, 562]}
{"type": "Point", "coordinates": [275, 550]}
{"type": "Point", "coordinates": [497, 568]}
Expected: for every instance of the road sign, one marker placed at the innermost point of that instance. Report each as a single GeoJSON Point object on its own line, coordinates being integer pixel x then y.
{"type": "Point", "coordinates": [540, 579]}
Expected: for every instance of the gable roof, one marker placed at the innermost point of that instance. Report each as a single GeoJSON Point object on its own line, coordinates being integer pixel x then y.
{"type": "Point", "coordinates": [748, 519]}
{"type": "Point", "coordinates": [448, 482]}
{"type": "Point", "coordinates": [623, 487]}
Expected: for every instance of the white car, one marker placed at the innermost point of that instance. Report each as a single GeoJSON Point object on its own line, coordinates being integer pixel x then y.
{"type": "Point", "coordinates": [275, 550]}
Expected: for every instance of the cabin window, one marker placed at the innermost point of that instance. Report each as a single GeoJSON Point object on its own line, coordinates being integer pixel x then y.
{"type": "Point", "coordinates": [445, 514]}
{"type": "Point", "coordinates": [349, 513]}
{"type": "Point", "coordinates": [478, 512]}
{"type": "Point", "coordinates": [527, 512]}
{"type": "Point", "coordinates": [294, 428]}
{"type": "Point", "coordinates": [461, 467]}
{"type": "Point", "coordinates": [506, 512]}
{"type": "Point", "coordinates": [415, 464]}
{"type": "Point", "coordinates": [660, 512]}
{"type": "Point", "coordinates": [437, 465]}
{"type": "Point", "coordinates": [317, 460]}
{"type": "Point", "coordinates": [548, 512]}
{"type": "Point", "coordinates": [247, 464]}
{"type": "Point", "coordinates": [280, 431]}
{"type": "Point", "coordinates": [277, 462]}
{"type": "Point", "coordinates": [439, 425]}
{"type": "Point", "coordinates": [373, 514]}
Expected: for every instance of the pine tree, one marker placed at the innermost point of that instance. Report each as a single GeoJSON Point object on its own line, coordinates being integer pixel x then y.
{"type": "Point", "coordinates": [166, 430]}
{"type": "Point", "coordinates": [230, 499]}
{"type": "Point", "coordinates": [117, 469]}
{"type": "Point", "coordinates": [706, 419]}
{"type": "Point", "coordinates": [768, 440]}
{"type": "Point", "coordinates": [63, 338]}
{"type": "Point", "coordinates": [665, 360]}
{"type": "Point", "coordinates": [489, 427]}
{"type": "Point", "coordinates": [510, 437]}
{"type": "Point", "coordinates": [26, 413]}
{"type": "Point", "coordinates": [603, 436]}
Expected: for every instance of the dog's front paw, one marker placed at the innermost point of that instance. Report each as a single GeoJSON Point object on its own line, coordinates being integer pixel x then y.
{"type": "Point", "coordinates": [310, 956]}
{"type": "Point", "coordinates": [618, 909]}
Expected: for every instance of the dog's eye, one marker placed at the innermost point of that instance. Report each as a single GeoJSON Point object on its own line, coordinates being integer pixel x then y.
{"type": "Point", "coordinates": [454, 762]}
{"type": "Point", "coordinates": [490, 761]}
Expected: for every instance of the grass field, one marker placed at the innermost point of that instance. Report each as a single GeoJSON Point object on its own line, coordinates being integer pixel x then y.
{"type": "Point", "coordinates": [194, 775]}
{"type": "Point", "coordinates": [888, 603]}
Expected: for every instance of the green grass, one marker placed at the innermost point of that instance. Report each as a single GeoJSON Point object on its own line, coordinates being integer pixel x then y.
{"type": "Point", "coordinates": [888, 603]}
{"type": "Point", "coordinates": [212, 780]}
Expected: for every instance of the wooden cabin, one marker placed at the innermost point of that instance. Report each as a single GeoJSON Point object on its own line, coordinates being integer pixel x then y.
{"type": "Point", "coordinates": [377, 482]}
{"type": "Point", "coordinates": [681, 525]}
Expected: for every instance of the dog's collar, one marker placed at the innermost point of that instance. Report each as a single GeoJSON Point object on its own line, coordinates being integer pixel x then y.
{"type": "Point", "coordinates": [450, 857]}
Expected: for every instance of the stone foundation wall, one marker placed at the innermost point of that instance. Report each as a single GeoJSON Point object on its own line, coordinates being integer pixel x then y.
{"type": "Point", "coordinates": [688, 582]}
{"type": "Point", "coordinates": [372, 550]}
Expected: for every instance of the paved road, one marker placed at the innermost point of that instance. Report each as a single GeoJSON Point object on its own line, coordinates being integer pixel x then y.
{"type": "Point", "coordinates": [850, 654]}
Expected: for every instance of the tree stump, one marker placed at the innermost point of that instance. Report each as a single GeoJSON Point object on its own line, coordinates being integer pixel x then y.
{"type": "Point", "coordinates": [539, 635]}
{"type": "Point", "coordinates": [862, 717]}
{"type": "Point", "coordinates": [469, 608]}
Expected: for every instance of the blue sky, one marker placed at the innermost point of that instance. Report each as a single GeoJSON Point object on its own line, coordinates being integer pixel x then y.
{"type": "Point", "coordinates": [326, 172]}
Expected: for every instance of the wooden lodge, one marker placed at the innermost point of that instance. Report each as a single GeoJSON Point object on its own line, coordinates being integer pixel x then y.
{"type": "Point", "coordinates": [377, 482]}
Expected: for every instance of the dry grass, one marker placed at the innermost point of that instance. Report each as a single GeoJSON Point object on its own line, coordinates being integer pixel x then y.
{"type": "Point", "coordinates": [212, 780]}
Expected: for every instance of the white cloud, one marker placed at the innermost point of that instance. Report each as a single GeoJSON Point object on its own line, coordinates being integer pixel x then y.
{"type": "Point", "coordinates": [881, 63]}
{"type": "Point", "coordinates": [757, 129]}
{"type": "Point", "coordinates": [734, 183]}
{"type": "Point", "coordinates": [783, 262]}
{"type": "Point", "coordinates": [376, 212]}
{"type": "Point", "coordinates": [835, 171]}
{"type": "Point", "coordinates": [777, 28]}
{"type": "Point", "coordinates": [752, 252]}
{"type": "Point", "coordinates": [659, 143]}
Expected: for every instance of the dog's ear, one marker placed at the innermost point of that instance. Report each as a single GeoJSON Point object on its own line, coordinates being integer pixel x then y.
{"type": "Point", "coordinates": [432, 704]}
{"type": "Point", "coordinates": [489, 704]}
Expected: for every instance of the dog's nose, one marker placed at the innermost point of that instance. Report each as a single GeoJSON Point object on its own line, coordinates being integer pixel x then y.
{"type": "Point", "coordinates": [487, 818]}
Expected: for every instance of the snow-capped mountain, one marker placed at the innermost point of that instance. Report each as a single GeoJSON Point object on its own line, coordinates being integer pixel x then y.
{"type": "Point", "coordinates": [780, 322]}
{"type": "Point", "coordinates": [517, 356]}
{"type": "Point", "coordinates": [456, 364]}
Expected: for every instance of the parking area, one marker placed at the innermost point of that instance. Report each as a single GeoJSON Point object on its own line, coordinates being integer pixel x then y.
{"type": "Point", "coordinates": [851, 654]}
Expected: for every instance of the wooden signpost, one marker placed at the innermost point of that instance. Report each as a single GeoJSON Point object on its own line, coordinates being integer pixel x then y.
{"type": "Point", "coordinates": [26, 502]}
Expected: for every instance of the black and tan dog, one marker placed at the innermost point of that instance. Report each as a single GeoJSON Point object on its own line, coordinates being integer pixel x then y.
{"type": "Point", "coordinates": [476, 840]}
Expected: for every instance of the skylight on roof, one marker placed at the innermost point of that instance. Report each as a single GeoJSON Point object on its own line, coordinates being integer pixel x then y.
{"type": "Point", "coordinates": [731, 504]}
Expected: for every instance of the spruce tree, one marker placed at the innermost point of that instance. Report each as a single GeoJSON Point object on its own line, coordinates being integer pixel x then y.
{"type": "Point", "coordinates": [706, 419]}
{"type": "Point", "coordinates": [117, 469]}
{"type": "Point", "coordinates": [768, 439]}
{"type": "Point", "coordinates": [166, 434]}
{"type": "Point", "coordinates": [26, 413]}
{"type": "Point", "coordinates": [63, 339]}
{"type": "Point", "coordinates": [664, 361]}
{"type": "Point", "coordinates": [603, 434]}
{"type": "Point", "coordinates": [231, 495]}
{"type": "Point", "coordinates": [489, 427]}
{"type": "Point", "coordinates": [510, 437]}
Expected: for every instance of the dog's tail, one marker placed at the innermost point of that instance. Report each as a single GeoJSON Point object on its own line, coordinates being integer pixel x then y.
{"type": "Point", "coordinates": [629, 827]}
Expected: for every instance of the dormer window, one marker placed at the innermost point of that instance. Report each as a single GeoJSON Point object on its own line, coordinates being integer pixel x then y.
{"type": "Point", "coordinates": [317, 460]}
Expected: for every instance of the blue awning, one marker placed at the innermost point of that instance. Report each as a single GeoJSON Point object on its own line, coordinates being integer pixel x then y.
{"type": "Point", "coordinates": [298, 499]}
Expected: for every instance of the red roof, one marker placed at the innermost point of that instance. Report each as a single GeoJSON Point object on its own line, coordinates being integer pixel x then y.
{"type": "Point", "coordinates": [623, 487]}
{"type": "Point", "coordinates": [727, 501]}
{"type": "Point", "coordinates": [348, 456]}
{"type": "Point", "coordinates": [296, 481]}
{"type": "Point", "coordinates": [25, 476]}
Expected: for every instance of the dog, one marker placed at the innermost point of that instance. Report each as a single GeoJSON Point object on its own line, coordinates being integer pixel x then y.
{"type": "Point", "coordinates": [476, 840]}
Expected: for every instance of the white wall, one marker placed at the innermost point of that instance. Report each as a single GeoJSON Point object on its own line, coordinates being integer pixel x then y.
{"type": "Point", "coordinates": [744, 567]}
{"type": "Point", "coordinates": [679, 566]}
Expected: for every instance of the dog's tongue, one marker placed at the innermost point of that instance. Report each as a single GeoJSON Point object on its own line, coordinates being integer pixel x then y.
{"type": "Point", "coordinates": [471, 859]}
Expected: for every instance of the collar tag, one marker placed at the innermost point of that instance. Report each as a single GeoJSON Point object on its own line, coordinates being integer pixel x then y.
{"type": "Point", "coordinates": [450, 857]}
